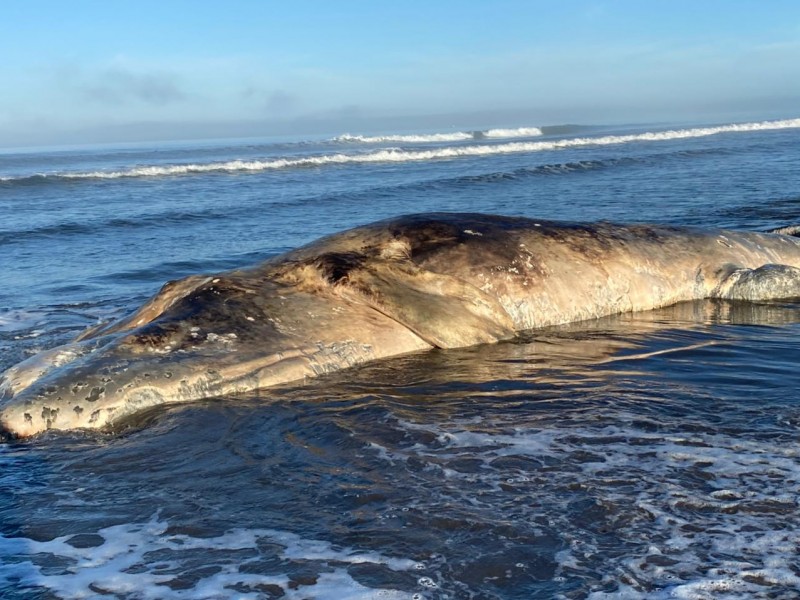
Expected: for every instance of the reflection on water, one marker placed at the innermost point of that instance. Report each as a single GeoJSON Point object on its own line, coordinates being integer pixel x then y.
{"type": "Point", "coordinates": [651, 454]}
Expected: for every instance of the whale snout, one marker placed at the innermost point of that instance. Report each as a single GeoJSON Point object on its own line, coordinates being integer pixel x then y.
{"type": "Point", "coordinates": [82, 393]}
{"type": "Point", "coordinates": [101, 388]}
{"type": "Point", "coordinates": [48, 406]}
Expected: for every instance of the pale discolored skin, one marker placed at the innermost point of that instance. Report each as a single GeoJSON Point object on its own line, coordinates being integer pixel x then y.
{"type": "Point", "coordinates": [397, 286]}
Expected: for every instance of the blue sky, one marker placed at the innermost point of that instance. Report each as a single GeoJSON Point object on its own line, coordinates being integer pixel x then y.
{"type": "Point", "coordinates": [110, 71]}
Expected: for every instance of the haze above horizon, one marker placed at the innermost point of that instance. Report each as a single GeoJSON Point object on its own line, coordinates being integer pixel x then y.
{"type": "Point", "coordinates": [88, 72]}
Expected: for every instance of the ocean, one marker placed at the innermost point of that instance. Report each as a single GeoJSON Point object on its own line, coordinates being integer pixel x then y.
{"type": "Point", "coordinates": [641, 456]}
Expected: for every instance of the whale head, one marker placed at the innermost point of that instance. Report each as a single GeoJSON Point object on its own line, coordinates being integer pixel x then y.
{"type": "Point", "coordinates": [197, 338]}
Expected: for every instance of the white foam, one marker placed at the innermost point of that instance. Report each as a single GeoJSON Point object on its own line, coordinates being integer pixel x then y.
{"type": "Point", "coordinates": [511, 133]}
{"type": "Point", "coordinates": [732, 537]}
{"type": "Point", "coordinates": [122, 563]}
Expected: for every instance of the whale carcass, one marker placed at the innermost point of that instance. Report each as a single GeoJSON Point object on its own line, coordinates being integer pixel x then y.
{"type": "Point", "coordinates": [401, 285]}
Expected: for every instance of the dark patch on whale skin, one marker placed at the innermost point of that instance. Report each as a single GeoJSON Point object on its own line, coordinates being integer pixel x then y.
{"type": "Point", "coordinates": [473, 244]}
{"type": "Point", "coordinates": [95, 394]}
{"type": "Point", "coordinates": [155, 335]}
{"type": "Point", "coordinates": [187, 322]}
{"type": "Point", "coordinates": [49, 416]}
{"type": "Point", "coordinates": [426, 236]}
{"type": "Point", "coordinates": [336, 266]}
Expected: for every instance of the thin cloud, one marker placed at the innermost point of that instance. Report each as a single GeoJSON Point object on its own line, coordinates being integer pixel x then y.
{"type": "Point", "coordinates": [117, 86]}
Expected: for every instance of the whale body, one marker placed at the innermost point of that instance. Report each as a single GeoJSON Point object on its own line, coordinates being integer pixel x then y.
{"type": "Point", "coordinates": [401, 285]}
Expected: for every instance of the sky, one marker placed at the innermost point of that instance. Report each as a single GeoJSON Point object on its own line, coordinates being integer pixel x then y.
{"type": "Point", "coordinates": [83, 71]}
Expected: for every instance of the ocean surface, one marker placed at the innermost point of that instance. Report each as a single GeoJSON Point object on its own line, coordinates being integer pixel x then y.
{"type": "Point", "coordinates": [642, 456]}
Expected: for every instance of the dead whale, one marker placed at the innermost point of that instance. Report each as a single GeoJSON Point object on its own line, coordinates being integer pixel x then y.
{"type": "Point", "coordinates": [401, 285]}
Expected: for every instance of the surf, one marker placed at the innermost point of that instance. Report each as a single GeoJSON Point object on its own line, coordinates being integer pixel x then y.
{"type": "Point", "coordinates": [400, 155]}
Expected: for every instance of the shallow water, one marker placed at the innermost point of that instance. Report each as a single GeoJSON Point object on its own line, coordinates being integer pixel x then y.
{"type": "Point", "coordinates": [648, 455]}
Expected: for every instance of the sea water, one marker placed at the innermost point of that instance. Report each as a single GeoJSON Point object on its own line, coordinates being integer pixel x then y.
{"type": "Point", "coordinates": [647, 455]}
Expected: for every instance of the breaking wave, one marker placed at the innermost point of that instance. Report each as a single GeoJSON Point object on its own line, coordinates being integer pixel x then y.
{"type": "Point", "coordinates": [400, 155]}
{"type": "Point", "coordinates": [456, 136]}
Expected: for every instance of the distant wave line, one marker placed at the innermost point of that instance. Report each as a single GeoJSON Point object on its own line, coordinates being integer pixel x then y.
{"type": "Point", "coordinates": [456, 136]}
{"type": "Point", "coordinates": [396, 155]}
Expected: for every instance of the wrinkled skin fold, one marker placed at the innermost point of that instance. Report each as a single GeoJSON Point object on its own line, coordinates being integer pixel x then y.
{"type": "Point", "coordinates": [402, 285]}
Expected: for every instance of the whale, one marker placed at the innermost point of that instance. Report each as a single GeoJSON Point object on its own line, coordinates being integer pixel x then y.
{"type": "Point", "coordinates": [402, 285]}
